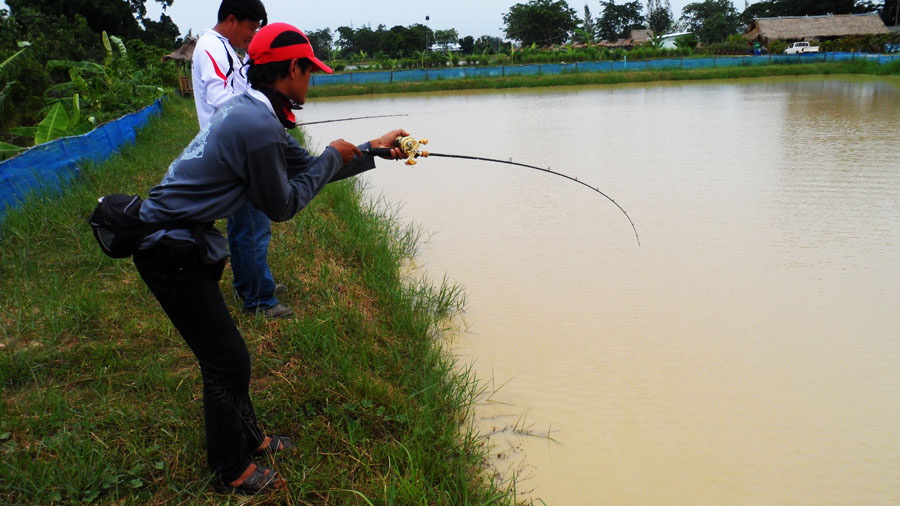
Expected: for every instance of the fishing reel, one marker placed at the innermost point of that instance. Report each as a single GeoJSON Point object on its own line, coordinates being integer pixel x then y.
{"type": "Point", "coordinates": [411, 148]}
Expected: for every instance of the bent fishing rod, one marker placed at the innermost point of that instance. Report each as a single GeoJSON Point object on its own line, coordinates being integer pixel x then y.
{"type": "Point", "coordinates": [351, 119]}
{"type": "Point", "coordinates": [411, 148]}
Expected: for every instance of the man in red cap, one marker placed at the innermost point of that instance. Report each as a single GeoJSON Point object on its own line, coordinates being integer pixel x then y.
{"type": "Point", "coordinates": [243, 155]}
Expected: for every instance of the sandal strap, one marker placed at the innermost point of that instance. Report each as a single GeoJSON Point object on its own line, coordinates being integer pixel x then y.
{"type": "Point", "coordinates": [262, 479]}
{"type": "Point", "coordinates": [276, 444]}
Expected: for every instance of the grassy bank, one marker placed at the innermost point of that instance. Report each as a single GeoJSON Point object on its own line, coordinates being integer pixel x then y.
{"type": "Point", "coordinates": [101, 397]}
{"type": "Point", "coordinates": [592, 78]}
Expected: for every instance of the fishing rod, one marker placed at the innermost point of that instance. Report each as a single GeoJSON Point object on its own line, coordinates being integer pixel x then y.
{"type": "Point", "coordinates": [411, 148]}
{"type": "Point", "coordinates": [351, 119]}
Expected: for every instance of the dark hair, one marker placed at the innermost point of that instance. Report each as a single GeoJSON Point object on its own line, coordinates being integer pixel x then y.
{"type": "Point", "coordinates": [268, 73]}
{"type": "Point", "coordinates": [243, 10]}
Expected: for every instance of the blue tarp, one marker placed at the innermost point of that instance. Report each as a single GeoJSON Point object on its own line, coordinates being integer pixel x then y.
{"type": "Point", "coordinates": [49, 165]}
{"type": "Point", "coordinates": [605, 66]}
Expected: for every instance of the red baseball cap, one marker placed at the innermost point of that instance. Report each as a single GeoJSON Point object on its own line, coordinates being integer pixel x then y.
{"type": "Point", "coordinates": [282, 42]}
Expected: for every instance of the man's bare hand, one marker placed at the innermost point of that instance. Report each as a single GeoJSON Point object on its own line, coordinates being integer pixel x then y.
{"type": "Point", "coordinates": [347, 150]}
{"type": "Point", "coordinates": [389, 140]}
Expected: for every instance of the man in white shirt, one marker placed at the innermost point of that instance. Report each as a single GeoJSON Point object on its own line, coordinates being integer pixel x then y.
{"type": "Point", "coordinates": [218, 72]}
{"type": "Point", "coordinates": [219, 75]}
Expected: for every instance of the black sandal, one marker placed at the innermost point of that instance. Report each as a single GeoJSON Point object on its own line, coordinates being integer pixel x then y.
{"type": "Point", "coordinates": [275, 445]}
{"type": "Point", "coordinates": [262, 479]}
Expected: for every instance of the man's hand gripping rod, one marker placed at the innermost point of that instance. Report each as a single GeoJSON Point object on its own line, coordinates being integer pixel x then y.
{"type": "Point", "coordinates": [410, 147]}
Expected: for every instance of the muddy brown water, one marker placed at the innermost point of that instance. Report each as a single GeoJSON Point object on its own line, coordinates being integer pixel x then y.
{"type": "Point", "coordinates": [747, 353]}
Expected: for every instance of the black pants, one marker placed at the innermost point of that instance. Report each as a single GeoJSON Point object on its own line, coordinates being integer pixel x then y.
{"type": "Point", "coordinates": [189, 293]}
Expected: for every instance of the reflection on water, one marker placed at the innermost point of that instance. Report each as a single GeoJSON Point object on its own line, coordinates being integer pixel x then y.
{"type": "Point", "coordinates": [747, 353]}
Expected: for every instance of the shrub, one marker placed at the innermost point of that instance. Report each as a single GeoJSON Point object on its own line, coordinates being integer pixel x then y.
{"type": "Point", "coordinates": [777, 47]}
{"type": "Point", "coordinates": [688, 41]}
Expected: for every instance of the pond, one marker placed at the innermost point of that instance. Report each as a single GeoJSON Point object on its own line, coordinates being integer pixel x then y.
{"type": "Point", "coordinates": [747, 352]}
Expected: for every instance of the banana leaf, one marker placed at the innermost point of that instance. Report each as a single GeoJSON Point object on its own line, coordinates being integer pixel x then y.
{"type": "Point", "coordinates": [53, 125]}
{"type": "Point", "coordinates": [24, 131]}
{"type": "Point", "coordinates": [87, 66]}
{"type": "Point", "coordinates": [7, 63]}
{"type": "Point", "coordinates": [78, 124]}
{"type": "Point", "coordinates": [7, 150]}
{"type": "Point", "coordinates": [5, 92]}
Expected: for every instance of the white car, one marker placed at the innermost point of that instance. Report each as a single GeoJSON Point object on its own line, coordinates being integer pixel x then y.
{"type": "Point", "coordinates": [800, 48]}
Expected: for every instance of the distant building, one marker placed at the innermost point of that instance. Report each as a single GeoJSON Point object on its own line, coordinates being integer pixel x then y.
{"type": "Point", "coordinates": [636, 38]}
{"type": "Point", "coordinates": [805, 28]}
{"type": "Point", "coordinates": [639, 37]}
{"type": "Point", "coordinates": [443, 48]}
{"type": "Point", "coordinates": [668, 40]}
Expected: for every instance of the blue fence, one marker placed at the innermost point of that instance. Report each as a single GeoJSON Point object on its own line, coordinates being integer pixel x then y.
{"type": "Point", "coordinates": [605, 66]}
{"type": "Point", "coordinates": [50, 165]}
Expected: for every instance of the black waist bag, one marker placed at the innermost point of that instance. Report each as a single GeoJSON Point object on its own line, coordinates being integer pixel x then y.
{"type": "Point", "coordinates": [119, 230]}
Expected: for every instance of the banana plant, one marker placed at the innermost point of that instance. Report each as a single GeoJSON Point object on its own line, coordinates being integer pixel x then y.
{"type": "Point", "coordinates": [6, 66]}
{"type": "Point", "coordinates": [58, 123]}
{"type": "Point", "coordinates": [6, 149]}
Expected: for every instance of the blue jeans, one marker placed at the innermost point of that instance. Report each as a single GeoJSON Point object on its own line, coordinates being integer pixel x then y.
{"type": "Point", "coordinates": [249, 231]}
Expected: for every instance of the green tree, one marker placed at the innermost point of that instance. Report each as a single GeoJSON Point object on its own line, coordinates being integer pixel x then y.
{"type": "Point", "coordinates": [711, 20]}
{"type": "Point", "coordinates": [585, 33]}
{"type": "Point", "coordinates": [772, 8]}
{"type": "Point", "coordinates": [688, 41]}
{"type": "Point", "coordinates": [446, 37]}
{"type": "Point", "coordinates": [617, 21]}
{"type": "Point", "coordinates": [467, 44]}
{"type": "Point", "coordinates": [368, 40]}
{"type": "Point", "coordinates": [659, 16]}
{"type": "Point", "coordinates": [346, 40]}
{"type": "Point", "coordinates": [890, 12]}
{"type": "Point", "coordinates": [541, 22]}
{"type": "Point", "coordinates": [163, 33]}
{"type": "Point", "coordinates": [488, 45]}
{"type": "Point", "coordinates": [321, 41]}
{"type": "Point", "coordinates": [121, 17]}
{"type": "Point", "coordinates": [416, 38]}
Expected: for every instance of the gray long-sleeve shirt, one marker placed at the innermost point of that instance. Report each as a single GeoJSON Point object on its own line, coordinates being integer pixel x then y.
{"type": "Point", "coordinates": [243, 154]}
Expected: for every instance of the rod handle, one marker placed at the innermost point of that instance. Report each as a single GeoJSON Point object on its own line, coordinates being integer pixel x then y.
{"type": "Point", "coordinates": [379, 152]}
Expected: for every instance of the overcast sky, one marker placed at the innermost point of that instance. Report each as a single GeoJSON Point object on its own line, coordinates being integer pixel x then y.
{"type": "Point", "coordinates": [469, 17]}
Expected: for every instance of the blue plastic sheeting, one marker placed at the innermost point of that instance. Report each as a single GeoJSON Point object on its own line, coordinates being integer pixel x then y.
{"type": "Point", "coordinates": [50, 165]}
{"type": "Point", "coordinates": [372, 77]}
{"type": "Point", "coordinates": [595, 66]}
{"type": "Point", "coordinates": [451, 73]}
{"type": "Point", "coordinates": [406, 76]}
{"type": "Point", "coordinates": [606, 66]}
{"type": "Point", "coordinates": [485, 72]}
{"type": "Point", "coordinates": [558, 68]}
{"type": "Point", "coordinates": [523, 70]}
{"type": "Point", "coordinates": [663, 64]}
{"type": "Point", "coordinates": [757, 61]}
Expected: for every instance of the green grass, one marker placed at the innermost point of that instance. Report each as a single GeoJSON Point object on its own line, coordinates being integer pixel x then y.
{"type": "Point", "coordinates": [594, 78]}
{"type": "Point", "coordinates": [101, 397]}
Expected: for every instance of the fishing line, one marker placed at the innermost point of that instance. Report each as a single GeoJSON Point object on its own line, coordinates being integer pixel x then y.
{"type": "Point", "coordinates": [547, 170]}
{"type": "Point", "coordinates": [410, 146]}
{"type": "Point", "coordinates": [351, 119]}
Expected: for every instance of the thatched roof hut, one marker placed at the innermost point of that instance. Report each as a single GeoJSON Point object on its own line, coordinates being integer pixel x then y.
{"type": "Point", "coordinates": [183, 55]}
{"type": "Point", "coordinates": [639, 37]}
{"type": "Point", "coordinates": [613, 44]}
{"type": "Point", "coordinates": [636, 38]}
{"type": "Point", "coordinates": [793, 28]}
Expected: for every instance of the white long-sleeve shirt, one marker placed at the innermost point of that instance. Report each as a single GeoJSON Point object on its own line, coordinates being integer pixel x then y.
{"type": "Point", "coordinates": [216, 78]}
